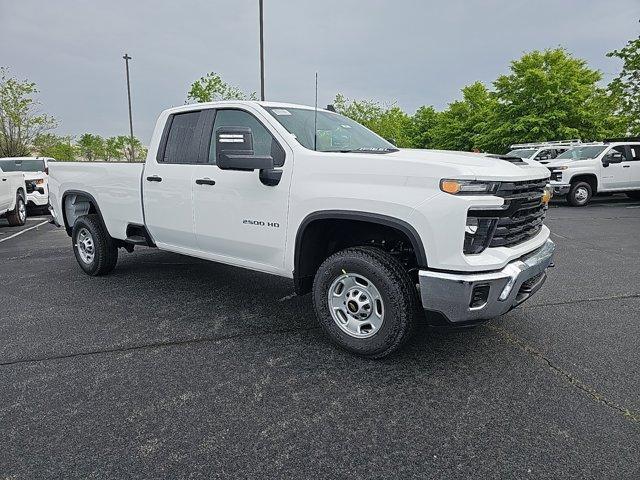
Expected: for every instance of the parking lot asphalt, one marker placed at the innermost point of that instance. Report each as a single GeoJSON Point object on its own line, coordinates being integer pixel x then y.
{"type": "Point", "coordinates": [174, 367]}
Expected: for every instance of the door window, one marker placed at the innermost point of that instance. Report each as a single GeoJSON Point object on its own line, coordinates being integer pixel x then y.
{"type": "Point", "coordinates": [263, 142]}
{"type": "Point", "coordinates": [619, 150]}
{"type": "Point", "coordinates": [182, 141]}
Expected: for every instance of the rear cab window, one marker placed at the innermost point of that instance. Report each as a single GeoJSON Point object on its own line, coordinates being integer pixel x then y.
{"type": "Point", "coordinates": [181, 139]}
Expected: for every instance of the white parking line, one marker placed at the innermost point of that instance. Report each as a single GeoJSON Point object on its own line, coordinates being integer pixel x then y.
{"type": "Point", "coordinates": [23, 231]}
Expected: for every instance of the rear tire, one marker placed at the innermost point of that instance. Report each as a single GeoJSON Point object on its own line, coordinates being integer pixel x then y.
{"type": "Point", "coordinates": [95, 250]}
{"type": "Point", "coordinates": [18, 216]}
{"type": "Point", "coordinates": [365, 301]}
{"type": "Point", "coordinates": [579, 194]}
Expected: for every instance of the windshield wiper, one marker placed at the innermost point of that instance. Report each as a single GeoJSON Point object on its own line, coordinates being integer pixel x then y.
{"type": "Point", "coordinates": [368, 150]}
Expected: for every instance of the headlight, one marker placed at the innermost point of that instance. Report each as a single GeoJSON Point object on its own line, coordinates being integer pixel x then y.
{"type": "Point", "coordinates": [560, 168]}
{"type": "Point", "coordinates": [468, 187]}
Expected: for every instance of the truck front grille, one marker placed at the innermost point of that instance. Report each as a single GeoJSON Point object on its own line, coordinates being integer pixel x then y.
{"type": "Point", "coordinates": [519, 220]}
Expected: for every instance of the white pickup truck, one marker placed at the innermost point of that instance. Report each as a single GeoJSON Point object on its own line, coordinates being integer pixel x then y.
{"type": "Point", "coordinates": [375, 232]}
{"type": "Point", "coordinates": [34, 171]}
{"type": "Point", "coordinates": [13, 197]}
{"type": "Point", "coordinates": [607, 167]}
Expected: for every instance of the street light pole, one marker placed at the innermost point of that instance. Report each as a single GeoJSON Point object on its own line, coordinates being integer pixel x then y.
{"type": "Point", "coordinates": [126, 61]}
{"type": "Point", "coordinates": [261, 52]}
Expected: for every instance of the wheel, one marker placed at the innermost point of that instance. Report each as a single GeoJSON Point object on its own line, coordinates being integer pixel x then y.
{"type": "Point", "coordinates": [365, 301]}
{"type": "Point", "coordinates": [18, 216]}
{"type": "Point", "coordinates": [579, 194]}
{"type": "Point", "coordinates": [635, 195]}
{"type": "Point", "coordinates": [94, 249]}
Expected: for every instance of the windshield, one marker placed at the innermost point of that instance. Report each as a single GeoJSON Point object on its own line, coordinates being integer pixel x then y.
{"type": "Point", "coordinates": [582, 153]}
{"type": "Point", "coordinates": [335, 133]}
{"type": "Point", "coordinates": [22, 165]}
{"type": "Point", "coordinates": [522, 153]}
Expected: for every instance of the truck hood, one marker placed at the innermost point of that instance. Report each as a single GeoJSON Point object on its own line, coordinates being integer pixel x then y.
{"type": "Point", "coordinates": [563, 162]}
{"type": "Point", "coordinates": [468, 165]}
{"type": "Point", "coordinates": [34, 176]}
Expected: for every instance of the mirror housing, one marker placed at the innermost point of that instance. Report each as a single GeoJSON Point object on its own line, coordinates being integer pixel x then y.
{"type": "Point", "coordinates": [234, 150]}
{"type": "Point", "coordinates": [611, 157]}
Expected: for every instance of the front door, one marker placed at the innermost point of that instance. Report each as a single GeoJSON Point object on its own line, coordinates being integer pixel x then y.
{"type": "Point", "coordinates": [238, 218]}
{"type": "Point", "coordinates": [615, 176]}
{"type": "Point", "coordinates": [167, 183]}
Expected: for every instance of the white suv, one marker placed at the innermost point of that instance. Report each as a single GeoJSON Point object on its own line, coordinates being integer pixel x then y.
{"type": "Point", "coordinates": [581, 172]}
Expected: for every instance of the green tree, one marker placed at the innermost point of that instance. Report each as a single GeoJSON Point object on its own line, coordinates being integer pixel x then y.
{"type": "Point", "coordinates": [549, 95]}
{"type": "Point", "coordinates": [112, 149]}
{"type": "Point", "coordinates": [460, 126]}
{"type": "Point", "coordinates": [422, 125]}
{"type": "Point", "coordinates": [91, 147]}
{"type": "Point", "coordinates": [626, 86]}
{"type": "Point", "coordinates": [51, 145]}
{"type": "Point", "coordinates": [388, 121]}
{"type": "Point", "coordinates": [20, 123]}
{"type": "Point", "coordinates": [122, 144]}
{"type": "Point", "coordinates": [211, 87]}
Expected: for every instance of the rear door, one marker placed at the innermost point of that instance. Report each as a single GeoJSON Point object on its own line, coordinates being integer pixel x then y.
{"type": "Point", "coordinates": [5, 190]}
{"type": "Point", "coordinates": [238, 218]}
{"type": "Point", "coordinates": [167, 183]}
{"type": "Point", "coordinates": [632, 167]}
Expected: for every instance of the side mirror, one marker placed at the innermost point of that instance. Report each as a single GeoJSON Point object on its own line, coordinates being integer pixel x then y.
{"type": "Point", "coordinates": [611, 157]}
{"type": "Point", "coordinates": [234, 150]}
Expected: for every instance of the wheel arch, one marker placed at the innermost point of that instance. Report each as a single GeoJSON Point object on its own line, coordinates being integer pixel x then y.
{"type": "Point", "coordinates": [82, 203]}
{"type": "Point", "coordinates": [590, 178]}
{"type": "Point", "coordinates": [309, 240]}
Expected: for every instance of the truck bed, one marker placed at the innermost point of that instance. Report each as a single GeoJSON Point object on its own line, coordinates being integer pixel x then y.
{"type": "Point", "coordinates": [116, 187]}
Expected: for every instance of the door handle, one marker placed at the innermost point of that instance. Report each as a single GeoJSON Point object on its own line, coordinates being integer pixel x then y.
{"type": "Point", "coordinates": [4, 179]}
{"type": "Point", "coordinates": [154, 178]}
{"type": "Point", "coordinates": [205, 181]}
{"type": "Point", "coordinates": [626, 166]}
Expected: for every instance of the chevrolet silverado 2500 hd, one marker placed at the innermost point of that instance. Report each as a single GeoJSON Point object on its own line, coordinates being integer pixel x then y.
{"type": "Point", "coordinates": [372, 230]}
{"type": "Point", "coordinates": [34, 171]}
{"type": "Point", "coordinates": [606, 167]}
{"type": "Point", "coordinates": [13, 197]}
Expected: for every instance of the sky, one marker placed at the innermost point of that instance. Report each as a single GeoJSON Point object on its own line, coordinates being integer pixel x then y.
{"type": "Point", "coordinates": [405, 51]}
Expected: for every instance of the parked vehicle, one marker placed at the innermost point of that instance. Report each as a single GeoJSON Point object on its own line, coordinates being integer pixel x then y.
{"type": "Point", "coordinates": [607, 167]}
{"type": "Point", "coordinates": [35, 171]}
{"type": "Point", "coordinates": [12, 198]}
{"type": "Point", "coordinates": [373, 231]}
{"type": "Point", "coordinates": [542, 152]}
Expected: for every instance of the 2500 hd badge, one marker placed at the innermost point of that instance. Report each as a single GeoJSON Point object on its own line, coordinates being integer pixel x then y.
{"type": "Point", "coordinates": [260, 223]}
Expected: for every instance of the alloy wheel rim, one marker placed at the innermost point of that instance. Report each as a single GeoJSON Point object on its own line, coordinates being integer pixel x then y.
{"type": "Point", "coordinates": [356, 305]}
{"type": "Point", "coordinates": [85, 246]}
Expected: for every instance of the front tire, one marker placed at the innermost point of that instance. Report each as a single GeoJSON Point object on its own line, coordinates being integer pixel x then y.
{"type": "Point", "coordinates": [579, 194]}
{"type": "Point", "coordinates": [95, 250]}
{"type": "Point", "coordinates": [365, 301]}
{"type": "Point", "coordinates": [18, 216]}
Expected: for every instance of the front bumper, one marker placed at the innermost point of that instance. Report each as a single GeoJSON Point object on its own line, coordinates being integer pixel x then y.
{"type": "Point", "coordinates": [466, 298]}
{"type": "Point", "coordinates": [560, 189]}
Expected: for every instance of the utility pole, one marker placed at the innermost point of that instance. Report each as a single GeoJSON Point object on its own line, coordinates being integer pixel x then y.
{"type": "Point", "coordinates": [261, 52]}
{"type": "Point", "coordinates": [126, 61]}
